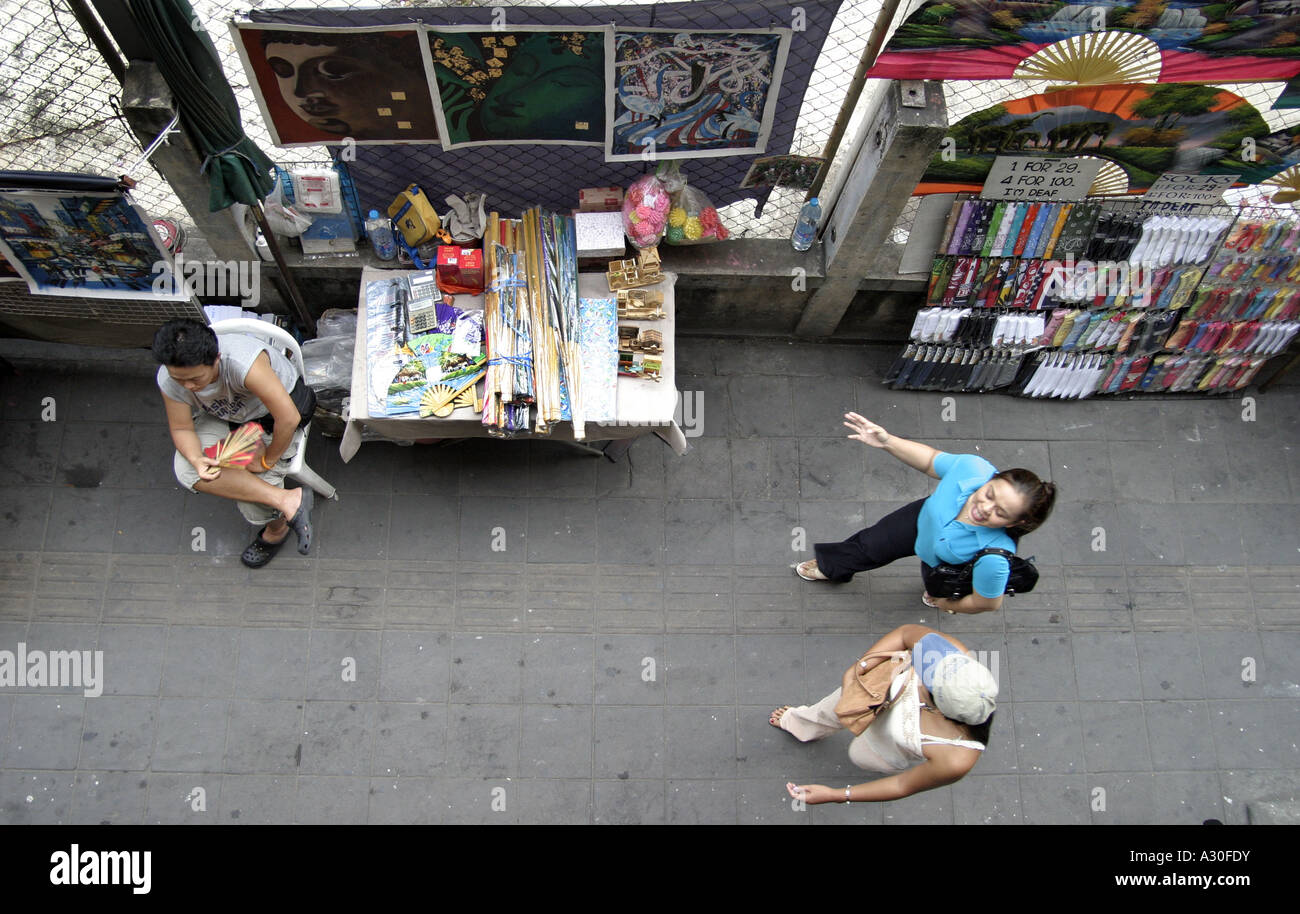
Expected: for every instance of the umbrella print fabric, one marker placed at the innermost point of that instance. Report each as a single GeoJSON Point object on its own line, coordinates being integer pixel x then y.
{"type": "Point", "coordinates": [1190, 41]}
{"type": "Point", "coordinates": [237, 170]}
{"type": "Point", "coordinates": [1144, 129]}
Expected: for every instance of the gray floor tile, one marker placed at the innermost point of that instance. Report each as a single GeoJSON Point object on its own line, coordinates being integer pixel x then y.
{"type": "Point", "coordinates": [31, 452]}
{"type": "Point", "coordinates": [1211, 534]}
{"type": "Point", "coordinates": [630, 531]}
{"type": "Point", "coordinates": [1041, 667]}
{"type": "Point", "coordinates": [760, 407]}
{"type": "Point", "coordinates": [414, 514]}
{"type": "Point", "coordinates": [630, 670]}
{"type": "Point", "coordinates": [988, 800]}
{"type": "Point", "coordinates": [934, 807]}
{"type": "Point", "coordinates": [272, 663]}
{"type": "Point", "coordinates": [1230, 661]}
{"type": "Point", "coordinates": [109, 798]}
{"type": "Point", "coordinates": [479, 801]}
{"type": "Point", "coordinates": [629, 743]}
{"type": "Point", "coordinates": [200, 662]}
{"type": "Point", "coordinates": [1149, 534]}
{"type": "Point", "coordinates": [409, 739]}
{"type": "Point", "coordinates": [1121, 798]}
{"type": "Point", "coordinates": [1279, 671]}
{"type": "Point", "coordinates": [26, 511]}
{"type": "Point", "coordinates": [1269, 533]}
{"type": "Point", "coordinates": [415, 666]}
{"type": "Point", "coordinates": [701, 802]}
{"type": "Point", "coordinates": [337, 738]}
{"type": "Point", "coordinates": [1105, 665]}
{"type": "Point", "coordinates": [554, 802]}
{"type": "Point", "coordinates": [557, 469]}
{"type": "Point", "coordinates": [629, 803]}
{"type": "Point", "coordinates": [1243, 788]}
{"type": "Point", "coordinates": [703, 472]}
{"type": "Point", "coordinates": [492, 529]}
{"type": "Point", "coordinates": [1048, 737]}
{"type": "Point", "coordinates": [133, 658]}
{"type": "Point", "coordinates": [406, 801]}
{"type": "Point", "coordinates": [257, 799]}
{"type": "Point", "coordinates": [1186, 797]}
{"type": "Point", "coordinates": [343, 664]}
{"type": "Point", "coordinates": [45, 731]}
{"type": "Point", "coordinates": [1054, 799]}
{"type": "Point", "coordinates": [1255, 734]}
{"type": "Point", "coordinates": [190, 735]}
{"type": "Point", "coordinates": [698, 532]}
{"type": "Point", "coordinates": [1081, 470]}
{"type": "Point", "coordinates": [561, 530]}
{"type": "Point", "coordinates": [701, 742]}
{"type": "Point", "coordinates": [93, 454]}
{"type": "Point", "coordinates": [555, 741]}
{"type": "Point", "coordinates": [331, 801]}
{"type": "Point", "coordinates": [264, 737]}
{"type": "Point", "coordinates": [81, 520]}
{"type": "Point", "coordinates": [1170, 663]}
{"type": "Point", "coordinates": [558, 669]}
{"type": "Point", "coordinates": [1180, 735]}
{"type": "Point", "coordinates": [486, 668]}
{"type": "Point", "coordinates": [483, 740]}
{"type": "Point", "coordinates": [701, 670]}
{"type": "Point", "coordinates": [36, 797]}
{"type": "Point", "coordinates": [118, 733]}
{"type": "Point", "coordinates": [1114, 736]}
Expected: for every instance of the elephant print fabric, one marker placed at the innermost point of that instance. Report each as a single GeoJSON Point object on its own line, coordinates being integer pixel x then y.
{"type": "Point", "coordinates": [676, 94]}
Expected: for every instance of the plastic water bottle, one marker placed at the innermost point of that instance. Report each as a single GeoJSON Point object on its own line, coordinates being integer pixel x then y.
{"type": "Point", "coordinates": [805, 228]}
{"type": "Point", "coordinates": [381, 238]}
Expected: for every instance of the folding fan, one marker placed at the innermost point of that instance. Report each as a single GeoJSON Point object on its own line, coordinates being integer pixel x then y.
{"type": "Point", "coordinates": [240, 448]}
{"type": "Point", "coordinates": [1287, 183]}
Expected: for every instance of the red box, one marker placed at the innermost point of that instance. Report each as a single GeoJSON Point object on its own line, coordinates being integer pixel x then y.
{"type": "Point", "coordinates": [460, 269]}
{"type": "Point", "coordinates": [600, 199]}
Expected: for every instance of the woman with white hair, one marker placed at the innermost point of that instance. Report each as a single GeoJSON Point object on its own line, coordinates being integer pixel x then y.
{"type": "Point", "coordinates": [932, 732]}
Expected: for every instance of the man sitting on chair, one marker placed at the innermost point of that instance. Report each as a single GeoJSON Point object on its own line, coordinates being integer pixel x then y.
{"type": "Point", "coordinates": [208, 390]}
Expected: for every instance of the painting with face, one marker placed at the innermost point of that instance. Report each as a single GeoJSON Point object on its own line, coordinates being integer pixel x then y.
{"type": "Point", "coordinates": [526, 85]}
{"type": "Point", "coordinates": [317, 85]}
{"type": "Point", "coordinates": [680, 94]}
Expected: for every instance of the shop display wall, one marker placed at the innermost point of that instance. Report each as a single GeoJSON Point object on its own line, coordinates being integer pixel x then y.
{"type": "Point", "coordinates": [1102, 297]}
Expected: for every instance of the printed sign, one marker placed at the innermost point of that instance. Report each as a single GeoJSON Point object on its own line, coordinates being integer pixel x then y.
{"type": "Point", "coordinates": [1041, 179]}
{"type": "Point", "coordinates": [1176, 188]}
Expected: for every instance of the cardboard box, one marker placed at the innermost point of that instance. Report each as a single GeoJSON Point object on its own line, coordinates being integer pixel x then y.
{"type": "Point", "coordinates": [600, 199]}
{"type": "Point", "coordinates": [460, 268]}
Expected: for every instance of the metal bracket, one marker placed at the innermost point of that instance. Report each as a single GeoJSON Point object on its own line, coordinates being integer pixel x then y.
{"type": "Point", "coordinates": [159, 140]}
{"type": "Point", "coordinates": [913, 92]}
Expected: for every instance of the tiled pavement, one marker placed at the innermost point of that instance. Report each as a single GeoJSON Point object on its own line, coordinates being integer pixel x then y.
{"type": "Point", "coordinates": [542, 636]}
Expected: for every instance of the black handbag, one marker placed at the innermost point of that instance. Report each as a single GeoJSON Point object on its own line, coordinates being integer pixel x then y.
{"type": "Point", "coordinates": [953, 582]}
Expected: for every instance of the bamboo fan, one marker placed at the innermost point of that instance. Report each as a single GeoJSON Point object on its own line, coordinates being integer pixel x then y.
{"type": "Point", "coordinates": [1111, 180]}
{"type": "Point", "coordinates": [240, 448]}
{"type": "Point", "coordinates": [1095, 59]}
{"type": "Point", "coordinates": [441, 400]}
{"type": "Point", "coordinates": [1288, 184]}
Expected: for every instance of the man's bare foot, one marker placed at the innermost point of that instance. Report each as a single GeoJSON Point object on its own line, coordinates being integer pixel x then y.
{"type": "Point", "coordinates": [276, 531]}
{"type": "Point", "coordinates": [292, 502]}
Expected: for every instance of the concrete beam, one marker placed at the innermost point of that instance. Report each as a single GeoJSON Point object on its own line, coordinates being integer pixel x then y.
{"type": "Point", "coordinates": [147, 104]}
{"type": "Point", "coordinates": [900, 141]}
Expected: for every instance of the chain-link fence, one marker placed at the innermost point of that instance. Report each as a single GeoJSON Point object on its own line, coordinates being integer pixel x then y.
{"type": "Point", "coordinates": [60, 108]}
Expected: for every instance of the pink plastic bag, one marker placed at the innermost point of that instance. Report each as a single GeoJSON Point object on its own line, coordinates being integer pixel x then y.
{"type": "Point", "coordinates": [645, 211]}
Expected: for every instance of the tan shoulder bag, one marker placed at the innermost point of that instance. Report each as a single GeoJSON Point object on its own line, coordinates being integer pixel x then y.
{"type": "Point", "coordinates": [865, 695]}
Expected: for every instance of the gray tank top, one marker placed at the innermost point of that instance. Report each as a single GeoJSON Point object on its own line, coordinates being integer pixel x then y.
{"type": "Point", "coordinates": [227, 398]}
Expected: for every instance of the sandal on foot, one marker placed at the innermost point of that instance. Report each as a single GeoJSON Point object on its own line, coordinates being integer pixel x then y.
{"type": "Point", "coordinates": [775, 717]}
{"type": "Point", "coordinates": [259, 551]}
{"type": "Point", "coordinates": [301, 522]}
{"type": "Point", "coordinates": [928, 600]}
{"type": "Point", "coordinates": [809, 571]}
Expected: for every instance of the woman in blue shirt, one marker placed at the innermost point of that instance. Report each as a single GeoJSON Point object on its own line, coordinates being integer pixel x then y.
{"type": "Point", "coordinates": [974, 507]}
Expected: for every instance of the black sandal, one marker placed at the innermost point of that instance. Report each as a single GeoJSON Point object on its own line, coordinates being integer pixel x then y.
{"type": "Point", "coordinates": [301, 522]}
{"type": "Point", "coordinates": [259, 551]}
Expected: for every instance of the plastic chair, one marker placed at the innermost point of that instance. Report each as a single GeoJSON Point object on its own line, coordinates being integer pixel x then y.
{"type": "Point", "coordinates": [274, 336]}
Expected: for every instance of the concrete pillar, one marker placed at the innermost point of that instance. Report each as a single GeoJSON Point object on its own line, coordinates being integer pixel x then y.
{"type": "Point", "coordinates": [147, 105]}
{"type": "Point", "coordinates": [900, 141]}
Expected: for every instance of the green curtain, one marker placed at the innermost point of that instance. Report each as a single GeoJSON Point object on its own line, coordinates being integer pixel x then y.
{"type": "Point", "coordinates": [237, 170]}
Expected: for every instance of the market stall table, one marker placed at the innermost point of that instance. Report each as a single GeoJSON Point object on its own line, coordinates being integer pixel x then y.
{"type": "Point", "coordinates": [644, 407]}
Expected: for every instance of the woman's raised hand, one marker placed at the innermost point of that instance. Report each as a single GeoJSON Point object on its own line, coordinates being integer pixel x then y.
{"type": "Point", "coordinates": [866, 431]}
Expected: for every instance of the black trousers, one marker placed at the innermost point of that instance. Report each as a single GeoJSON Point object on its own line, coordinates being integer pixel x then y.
{"type": "Point", "coordinates": [891, 538]}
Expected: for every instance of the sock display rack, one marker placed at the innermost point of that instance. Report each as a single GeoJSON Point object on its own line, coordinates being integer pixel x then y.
{"type": "Point", "coordinates": [1069, 300]}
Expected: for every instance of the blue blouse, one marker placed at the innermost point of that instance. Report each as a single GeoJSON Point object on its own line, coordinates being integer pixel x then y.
{"type": "Point", "coordinates": [941, 538]}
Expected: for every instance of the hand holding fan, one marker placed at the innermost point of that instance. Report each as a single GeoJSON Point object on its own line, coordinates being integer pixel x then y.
{"type": "Point", "coordinates": [240, 448]}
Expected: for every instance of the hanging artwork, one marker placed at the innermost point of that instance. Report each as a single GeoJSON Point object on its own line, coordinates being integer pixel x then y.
{"type": "Point", "coordinates": [87, 245]}
{"type": "Point", "coordinates": [1145, 130]}
{"type": "Point", "coordinates": [528, 84]}
{"type": "Point", "coordinates": [322, 85]}
{"type": "Point", "coordinates": [676, 94]}
{"type": "Point", "coordinates": [1095, 42]}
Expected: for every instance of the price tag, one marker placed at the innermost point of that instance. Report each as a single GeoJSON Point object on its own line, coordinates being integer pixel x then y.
{"type": "Point", "coordinates": [1178, 188]}
{"type": "Point", "coordinates": [1040, 179]}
